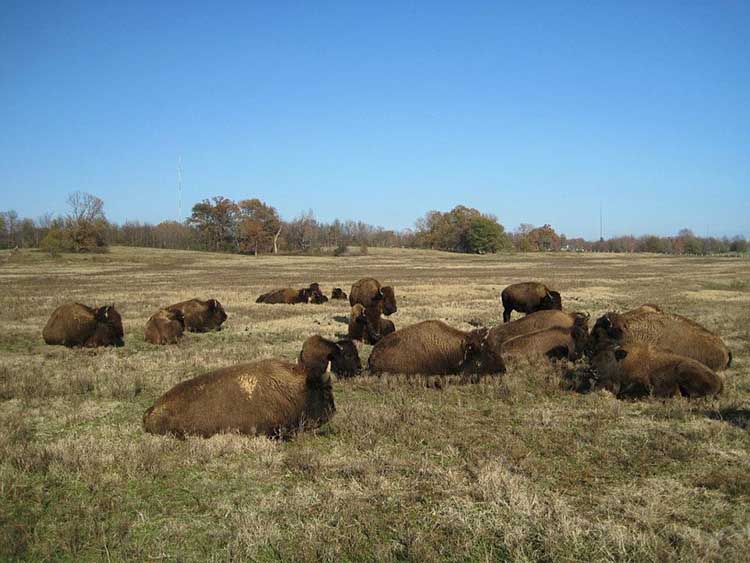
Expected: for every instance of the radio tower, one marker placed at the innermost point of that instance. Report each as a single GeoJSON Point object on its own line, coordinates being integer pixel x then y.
{"type": "Point", "coordinates": [601, 224]}
{"type": "Point", "coordinates": [179, 189]}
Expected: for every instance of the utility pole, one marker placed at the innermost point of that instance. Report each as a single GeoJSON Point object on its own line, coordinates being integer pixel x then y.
{"type": "Point", "coordinates": [601, 223]}
{"type": "Point", "coordinates": [179, 189]}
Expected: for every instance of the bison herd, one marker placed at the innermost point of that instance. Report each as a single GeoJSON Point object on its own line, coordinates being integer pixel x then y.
{"type": "Point", "coordinates": [642, 352]}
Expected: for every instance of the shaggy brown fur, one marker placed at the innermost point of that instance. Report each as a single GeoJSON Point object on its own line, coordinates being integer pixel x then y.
{"type": "Point", "coordinates": [551, 342]}
{"type": "Point", "coordinates": [533, 322]}
{"type": "Point", "coordinates": [317, 297]}
{"type": "Point", "coordinates": [165, 327]}
{"type": "Point", "coordinates": [369, 293]}
{"type": "Point", "coordinates": [286, 295]}
{"type": "Point", "coordinates": [528, 297]}
{"type": "Point", "coordinates": [635, 370]}
{"type": "Point", "coordinates": [338, 293]}
{"type": "Point", "coordinates": [74, 324]}
{"type": "Point", "coordinates": [367, 325]}
{"type": "Point", "coordinates": [429, 348]}
{"type": "Point", "coordinates": [267, 397]}
{"type": "Point", "coordinates": [670, 332]}
{"type": "Point", "coordinates": [201, 316]}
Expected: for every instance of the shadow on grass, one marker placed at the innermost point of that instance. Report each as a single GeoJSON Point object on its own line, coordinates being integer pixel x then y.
{"type": "Point", "coordinates": [735, 417]}
{"type": "Point", "coordinates": [341, 319]}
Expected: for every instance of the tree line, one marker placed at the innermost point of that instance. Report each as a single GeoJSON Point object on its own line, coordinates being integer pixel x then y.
{"type": "Point", "coordinates": [250, 226]}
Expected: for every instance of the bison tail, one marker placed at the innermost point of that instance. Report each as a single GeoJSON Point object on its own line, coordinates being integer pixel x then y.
{"type": "Point", "coordinates": [729, 361]}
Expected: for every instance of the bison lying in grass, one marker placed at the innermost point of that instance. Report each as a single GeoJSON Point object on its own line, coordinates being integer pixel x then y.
{"type": "Point", "coordinates": [268, 397]}
{"type": "Point", "coordinates": [429, 348]}
{"type": "Point", "coordinates": [369, 293]}
{"type": "Point", "coordinates": [74, 324]}
{"type": "Point", "coordinates": [528, 297]}
{"type": "Point", "coordinates": [291, 296]}
{"type": "Point", "coordinates": [674, 333]}
{"type": "Point", "coordinates": [636, 370]}
{"type": "Point", "coordinates": [367, 325]}
{"type": "Point", "coordinates": [166, 326]}
{"type": "Point", "coordinates": [338, 293]}
{"type": "Point", "coordinates": [201, 316]}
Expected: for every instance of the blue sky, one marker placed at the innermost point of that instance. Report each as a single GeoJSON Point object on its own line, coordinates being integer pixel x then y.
{"type": "Point", "coordinates": [381, 111]}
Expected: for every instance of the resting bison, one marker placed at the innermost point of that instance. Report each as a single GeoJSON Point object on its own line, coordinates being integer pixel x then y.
{"type": "Point", "coordinates": [201, 316]}
{"type": "Point", "coordinates": [429, 348]}
{"type": "Point", "coordinates": [317, 297]}
{"type": "Point", "coordinates": [338, 293]}
{"type": "Point", "coordinates": [267, 397]}
{"type": "Point", "coordinates": [74, 324]}
{"type": "Point", "coordinates": [287, 295]}
{"type": "Point", "coordinates": [553, 343]}
{"type": "Point", "coordinates": [166, 326]}
{"type": "Point", "coordinates": [670, 332]}
{"type": "Point", "coordinates": [635, 370]}
{"type": "Point", "coordinates": [368, 292]}
{"type": "Point", "coordinates": [367, 324]}
{"type": "Point", "coordinates": [528, 297]}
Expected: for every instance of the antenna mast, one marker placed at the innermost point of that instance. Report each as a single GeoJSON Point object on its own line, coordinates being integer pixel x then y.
{"type": "Point", "coordinates": [179, 188]}
{"type": "Point", "coordinates": [601, 223]}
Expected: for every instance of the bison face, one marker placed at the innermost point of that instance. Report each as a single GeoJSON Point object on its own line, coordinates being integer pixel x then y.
{"type": "Point", "coordinates": [345, 360]}
{"type": "Point", "coordinates": [389, 300]}
{"type": "Point", "coordinates": [109, 330]}
{"type": "Point", "coordinates": [608, 329]}
{"type": "Point", "coordinates": [304, 295]}
{"type": "Point", "coordinates": [218, 315]}
{"type": "Point", "coordinates": [607, 364]}
{"type": "Point", "coordinates": [338, 293]}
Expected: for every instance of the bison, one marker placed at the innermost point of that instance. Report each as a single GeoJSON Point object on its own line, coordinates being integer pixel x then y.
{"type": "Point", "coordinates": [673, 333]}
{"type": "Point", "coordinates": [286, 295]}
{"type": "Point", "coordinates": [528, 297]}
{"type": "Point", "coordinates": [367, 324]}
{"type": "Point", "coordinates": [338, 293]}
{"type": "Point", "coordinates": [429, 348]}
{"type": "Point", "coordinates": [553, 343]}
{"type": "Point", "coordinates": [74, 324]}
{"type": "Point", "coordinates": [369, 293]}
{"type": "Point", "coordinates": [166, 326]}
{"type": "Point", "coordinates": [636, 370]}
{"type": "Point", "coordinates": [267, 397]}
{"type": "Point", "coordinates": [317, 297]}
{"type": "Point", "coordinates": [200, 316]}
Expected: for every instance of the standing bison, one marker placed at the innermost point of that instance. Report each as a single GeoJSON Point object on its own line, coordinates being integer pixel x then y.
{"type": "Point", "coordinates": [528, 297]}
{"type": "Point", "coordinates": [266, 397]}
{"type": "Point", "coordinates": [166, 326]}
{"type": "Point", "coordinates": [201, 316]}
{"type": "Point", "coordinates": [74, 324]}
{"type": "Point", "coordinates": [636, 370]}
{"type": "Point", "coordinates": [369, 293]}
{"type": "Point", "coordinates": [429, 348]}
{"type": "Point", "coordinates": [673, 333]}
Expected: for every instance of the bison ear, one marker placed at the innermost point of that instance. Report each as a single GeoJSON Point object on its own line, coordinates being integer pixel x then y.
{"type": "Point", "coordinates": [212, 304]}
{"type": "Point", "coordinates": [620, 354]}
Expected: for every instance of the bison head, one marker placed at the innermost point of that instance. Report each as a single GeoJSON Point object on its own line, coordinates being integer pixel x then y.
{"type": "Point", "coordinates": [607, 365]}
{"type": "Point", "coordinates": [304, 295]}
{"type": "Point", "coordinates": [608, 329]}
{"type": "Point", "coordinates": [338, 293]}
{"type": "Point", "coordinates": [218, 315]}
{"type": "Point", "coordinates": [345, 361]}
{"type": "Point", "coordinates": [108, 327]}
{"type": "Point", "coordinates": [388, 298]}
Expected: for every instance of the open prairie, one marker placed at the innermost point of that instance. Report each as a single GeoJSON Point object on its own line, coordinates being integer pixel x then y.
{"type": "Point", "coordinates": [513, 468]}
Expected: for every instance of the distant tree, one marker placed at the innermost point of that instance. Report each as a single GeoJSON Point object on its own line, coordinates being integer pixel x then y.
{"type": "Point", "coordinates": [85, 225]}
{"type": "Point", "coordinates": [259, 225]}
{"type": "Point", "coordinates": [216, 223]}
{"type": "Point", "coordinates": [651, 243]}
{"type": "Point", "coordinates": [738, 244]}
{"type": "Point", "coordinates": [485, 235]}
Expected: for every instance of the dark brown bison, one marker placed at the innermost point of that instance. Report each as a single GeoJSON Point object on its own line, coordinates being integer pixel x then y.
{"type": "Point", "coordinates": [429, 348]}
{"type": "Point", "coordinates": [528, 297]}
{"type": "Point", "coordinates": [74, 324]}
{"type": "Point", "coordinates": [673, 333]}
{"type": "Point", "coordinates": [338, 293]}
{"type": "Point", "coordinates": [317, 297]}
{"type": "Point", "coordinates": [166, 326]}
{"type": "Point", "coordinates": [267, 397]}
{"type": "Point", "coordinates": [367, 324]}
{"type": "Point", "coordinates": [636, 370]}
{"type": "Point", "coordinates": [201, 316]}
{"type": "Point", "coordinates": [286, 295]}
{"type": "Point", "coordinates": [369, 293]}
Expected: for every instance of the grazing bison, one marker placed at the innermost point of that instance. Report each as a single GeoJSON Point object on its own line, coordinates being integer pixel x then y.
{"type": "Point", "coordinates": [367, 325]}
{"type": "Point", "coordinates": [429, 348]}
{"type": "Point", "coordinates": [636, 370]}
{"type": "Point", "coordinates": [74, 324]}
{"type": "Point", "coordinates": [528, 297]}
{"type": "Point", "coordinates": [338, 293]}
{"type": "Point", "coordinates": [286, 295]}
{"type": "Point", "coordinates": [166, 326]}
{"type": "Point", "coordinates": [670, 332]}
{"type": "Point", "coordinates": [369, 293]}
{"type": "Point", "coordinates": [266, 397]}
{"type": "Point", "coordinates": [200, 316]}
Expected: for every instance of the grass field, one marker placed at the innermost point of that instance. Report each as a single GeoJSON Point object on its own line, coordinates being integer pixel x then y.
{"type": "Point", "coordinates": [513, 468]}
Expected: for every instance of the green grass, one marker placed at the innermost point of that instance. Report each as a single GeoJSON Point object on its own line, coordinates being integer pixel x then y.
{"type": "Point", "coordinates": [514, 468]}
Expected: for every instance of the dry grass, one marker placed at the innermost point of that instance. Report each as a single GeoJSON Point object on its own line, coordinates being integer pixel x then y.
{"type": "Point", "coordinates": [515, 468]}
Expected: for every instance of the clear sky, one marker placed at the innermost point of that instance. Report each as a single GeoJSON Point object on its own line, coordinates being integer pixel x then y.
{"type": "Point", "coordinates": [381, 111]}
